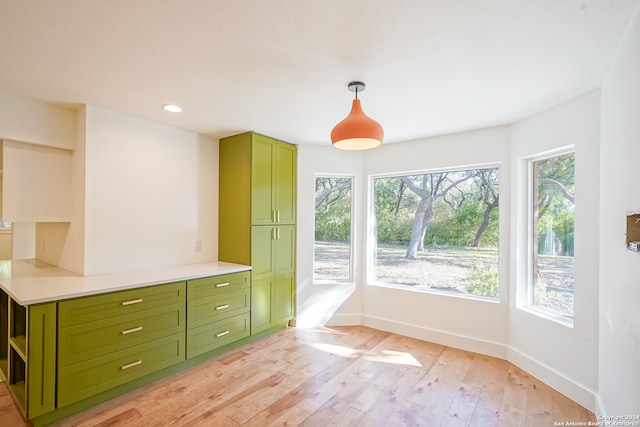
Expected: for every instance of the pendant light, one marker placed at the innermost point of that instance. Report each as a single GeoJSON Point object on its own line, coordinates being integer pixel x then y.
{"type": "Point", "coordinates": [358, 131]}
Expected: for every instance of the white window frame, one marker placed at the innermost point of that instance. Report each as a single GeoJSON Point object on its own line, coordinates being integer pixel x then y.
{"type": "Point", "coordinates": [352, 245]}
{"type": "Point", "coordinates": [527, 301]}
{"type": "Point", "coordinates": [372, 238]}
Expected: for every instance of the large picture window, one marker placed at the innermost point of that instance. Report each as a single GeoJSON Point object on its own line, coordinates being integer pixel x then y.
{"type": "Point", "coordinates": [438, 231]}
{"type": "Point", "coordinates": [551, 221]}
{"type": "Point", "coordinates": [333, 232]}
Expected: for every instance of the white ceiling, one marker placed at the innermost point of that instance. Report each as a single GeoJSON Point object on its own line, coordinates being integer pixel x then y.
{"type": "Point", "coordinates": [281, 67]}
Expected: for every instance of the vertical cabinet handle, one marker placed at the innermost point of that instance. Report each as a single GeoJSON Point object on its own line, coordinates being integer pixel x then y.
{"type": "Point", "coordinates": [275, 233]}
{"type": "Point", "coordinates": [131, 365]}
{"type": "Point", "coordinates": [133, 301]}
{"type": "Point", "coordinates": [221, 334]}
{"type": "Point", "coordinates": [277, 216]}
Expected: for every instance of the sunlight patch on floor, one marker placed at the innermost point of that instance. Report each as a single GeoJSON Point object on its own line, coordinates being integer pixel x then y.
{"type": "Point", "coordinates": [393, 357]}
{"type": "Point", "coordinates": [383, 356]}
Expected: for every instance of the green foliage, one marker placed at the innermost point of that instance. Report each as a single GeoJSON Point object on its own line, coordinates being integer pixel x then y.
{"type": "Point", "coordinates": [394, 211]}
{"type": "Point", "coordinates": [334, 225]}
{"type": "Point", "coordinates": [458, 227]}
{"type": "Point", "coordinates": [393, 229]}
{"type": "Point", "coordinates": [555, 207]}
{"type": "Point", "coordinates": [458, 212]}
{"type": "Point", "coordinates": [482, 281]}
{"type": "Point", "coordinates": [333, 209]}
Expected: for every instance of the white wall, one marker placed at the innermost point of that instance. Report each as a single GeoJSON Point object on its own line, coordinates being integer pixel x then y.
{"type": "Point", "coordinates": [151, 194]}
{"type": "Point", "coordinates": [24, 240]}
{"type": "Point", "coordinates": [36, 122]}
{"type": "Point", "coordinates": [619, 340]}
{"type": "Point", "coordinates": [314, 160]}
{"type": "Point", "coordinates": [36, 181]}
{"type": "Point", "coordinates": [72, 256]}
{"type": "Point", "coordinates": [564, 357]}
{"type": "Point", "coordinates": [465, 323]}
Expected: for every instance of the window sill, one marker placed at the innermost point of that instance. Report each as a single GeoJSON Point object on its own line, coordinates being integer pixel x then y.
{"type": "Point", "coordinates": [427, 290]}
{"type": "Point", "coordinates": [547, 315]}
{"type": "Point", "coordinates": [333, 282]}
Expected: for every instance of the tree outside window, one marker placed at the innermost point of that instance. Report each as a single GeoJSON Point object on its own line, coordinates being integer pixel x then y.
{"type": "Point", "coordinates": [333, 231]}
{"type": "Point", "coordinates": [552, 218]}
{"type": "Point", "coordinates": [438, 231]}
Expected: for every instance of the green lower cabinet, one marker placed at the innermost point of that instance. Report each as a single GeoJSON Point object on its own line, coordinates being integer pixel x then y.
{"type": "Point", "coordinates": [121, 303]}
{"type": "Point", "coordinates": [261, 305]}
{"type": "Point", "coordinates": [85, 379]}
{"type": "Point", "coordinates": [92, 339]}
{"type": "Point", "coordinates": [41, 360]}
{"type": "Point", "coordinates": [272, 302]}
{"type": "Point", "coordinates": [215, 335]}
{"type": "Point", "coordinates": [273, 276]}
{"type": "Point", "coordinates": [203, 311]}
{"type": "Point", "coordinates": [284, 298]}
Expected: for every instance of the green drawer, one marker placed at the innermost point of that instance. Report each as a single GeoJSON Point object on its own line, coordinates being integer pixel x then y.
{"type": "Point", "coordinates": [82, 380]}
{"type": "Point", "coordinates": [215, 285]}
{"type": "Point", "coordinates": [88, 340]}
{"type": "Point", "coordinates": [210, 309]}
{"type": "Point", "coordinates": [88, 309]}
{"type": "Point", "coordinates": [209, 337]}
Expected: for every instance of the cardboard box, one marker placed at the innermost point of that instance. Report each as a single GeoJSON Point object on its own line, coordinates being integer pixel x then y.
{"type": "Point", "coordinates": [633, 227]}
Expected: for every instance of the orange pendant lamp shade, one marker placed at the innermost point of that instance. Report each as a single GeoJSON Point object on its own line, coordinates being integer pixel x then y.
{"type": "Point", "coordinates": [358, 131]}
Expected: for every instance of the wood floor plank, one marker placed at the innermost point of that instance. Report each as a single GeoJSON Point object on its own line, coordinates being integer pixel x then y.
{"type": "Point", "coordinates": [463, 406]}
{"type": "Point", "coordinates": [344, 376]}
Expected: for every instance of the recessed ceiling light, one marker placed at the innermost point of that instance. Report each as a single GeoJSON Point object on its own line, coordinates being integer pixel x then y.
{"type": "Point", "coordinates": [172, 108]}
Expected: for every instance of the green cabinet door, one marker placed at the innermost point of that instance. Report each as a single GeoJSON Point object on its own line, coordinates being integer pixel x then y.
{"type": "Point", "coordinates": [263, 166]}
{"type": "Point", "coordinates": [41, 359]}
{"type": "Point", "coordinates": [284, 298]}
{"type": "Point", "coordinates": [284, 194]}
{"type": "Point", "coordinates": [261, 303]}
{"type": "Point", "coordinates": [273, 181]}
{"type": "Point", "coordinates": [283, 303]}
{"type": "Point", "coordinates": [263, 260]}
{"type": "Point", "coordinates": [273, 284]}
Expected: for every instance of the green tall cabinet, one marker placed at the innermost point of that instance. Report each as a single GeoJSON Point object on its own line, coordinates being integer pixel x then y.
{"type": "Point", "coordinates": [257, 221]}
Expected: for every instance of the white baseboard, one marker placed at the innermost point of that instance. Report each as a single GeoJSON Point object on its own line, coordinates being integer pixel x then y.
{"type": "Point", "coordinates": [551, 377]}
{"type": "Point", "coordinates": [345, 320]}
{"type": "Point", "coordinates": [600, 411]}
{"type": "Point", "coordinates": [436, 336]}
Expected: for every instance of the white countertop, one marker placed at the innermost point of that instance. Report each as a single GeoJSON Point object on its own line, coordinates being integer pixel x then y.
{"type": "Point", "coordinates": [32, 281]}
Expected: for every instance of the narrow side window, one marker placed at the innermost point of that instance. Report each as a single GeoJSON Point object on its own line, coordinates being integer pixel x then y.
{"type": "Point", "coordinates": [551, 221]}
{"type": "Point", "coordinates": [333, 231]}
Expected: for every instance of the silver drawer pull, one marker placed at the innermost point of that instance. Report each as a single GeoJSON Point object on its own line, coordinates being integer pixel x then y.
{"type": "Point", "coordinates": [222, 307]}
{"type": "Point", "coordinates": [222, 285]}
{"type": "Point", "coordinates": [221, 334]}
{"type": "Point", "coordinates": [133, 301]}
{"type": "Point", "coordinates": [129, 331]}
{"type": "Point", "coordinates": [131, 365]}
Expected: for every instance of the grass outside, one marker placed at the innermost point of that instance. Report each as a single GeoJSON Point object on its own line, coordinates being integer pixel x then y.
{"type": "Point", "coordinates": [449, 269]}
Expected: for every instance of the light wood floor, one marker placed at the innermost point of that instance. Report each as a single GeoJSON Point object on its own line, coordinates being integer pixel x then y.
{"type": "Point", "coordinates": [343, 376]}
